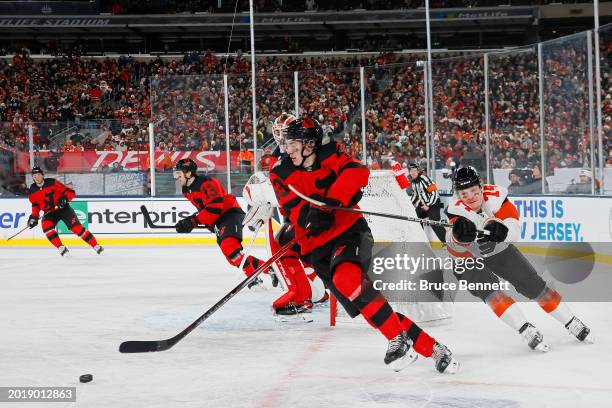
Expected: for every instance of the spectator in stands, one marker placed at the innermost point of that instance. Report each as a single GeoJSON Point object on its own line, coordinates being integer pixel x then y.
{"type": "Point", "coordinates": [584, 185]}
{"type": "Point", "coordinates": [515, 186]}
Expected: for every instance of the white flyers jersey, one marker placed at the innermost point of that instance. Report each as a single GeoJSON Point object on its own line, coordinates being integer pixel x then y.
{"type": "Point", "coordinates": [495, 206]}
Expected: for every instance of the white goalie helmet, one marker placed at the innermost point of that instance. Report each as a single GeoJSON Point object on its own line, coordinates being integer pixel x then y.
{"type": "Point", "coordinates": [279, 127]}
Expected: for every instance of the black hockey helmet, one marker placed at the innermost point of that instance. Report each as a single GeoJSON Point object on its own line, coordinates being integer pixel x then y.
{"type": "Point", "coordinates": [413, 165]}
{"type": "Point", "coordinates": [305, 129]}
{"type": "Point", "coordinates": [186, 165]}
{"type": "Point", "coordinates": [466, 177]}
{"type": "Point", "coordinates": [37, 170]}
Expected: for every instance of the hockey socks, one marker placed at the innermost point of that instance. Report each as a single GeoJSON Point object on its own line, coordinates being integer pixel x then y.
{"type": "Point", "coordinates": [423, 342]}
{"type": "Point", "coordinates": [49, 229]}
{"type": "Point", "coordinates": [507, 310]}
{"type": "Point", "coordinates": [232, 249]}
{"type": "Point", "coordinates": [371, 303]}
{"type": "Point", "coordinates": [85, 235]}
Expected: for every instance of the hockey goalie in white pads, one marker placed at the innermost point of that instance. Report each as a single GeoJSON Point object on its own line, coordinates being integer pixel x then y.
{"type": "Point", "coordinates": [486, 207]}
{"type": "Point", "coordinates": [301, 288]}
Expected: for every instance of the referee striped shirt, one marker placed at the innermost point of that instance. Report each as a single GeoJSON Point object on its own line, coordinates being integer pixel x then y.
{"type": "Point", "coordinates": [424, 191]}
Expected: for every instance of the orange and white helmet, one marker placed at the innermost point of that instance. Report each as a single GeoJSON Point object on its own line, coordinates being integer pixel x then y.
{"type": "Point", "coordinates": [279, 127]}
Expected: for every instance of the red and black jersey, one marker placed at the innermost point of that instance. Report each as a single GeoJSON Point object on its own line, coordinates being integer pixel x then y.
{"type": "Point", "coordinates": [334, 175]}
{"type": "Point", "coordinates": [210, 198]}
{"type": "Point", "coordinates": [44, 198]}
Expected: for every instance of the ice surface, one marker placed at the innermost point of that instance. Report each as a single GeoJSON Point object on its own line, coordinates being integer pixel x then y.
{"type": "Point", "coordinates": [60, 318]}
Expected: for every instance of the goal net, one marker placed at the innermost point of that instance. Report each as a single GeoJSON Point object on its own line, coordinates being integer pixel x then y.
{"type": "Point", "coordinates": [391, 236]}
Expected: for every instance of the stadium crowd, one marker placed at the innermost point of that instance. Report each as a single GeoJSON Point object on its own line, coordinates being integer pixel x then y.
{"type": "Point", "coordinates": [109, 103]}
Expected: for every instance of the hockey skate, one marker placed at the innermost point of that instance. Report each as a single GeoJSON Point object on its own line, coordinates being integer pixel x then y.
{"type": "Point", "coordinates": [533, 338]}
{"type": "Point", "coordinates": [64, 251]}
{"type": "Point", "coordinates": [256, 284]}
{"type": "Point", "coordinates": [293, 313]}
{"type": "Point", "coordinates": [579, 330]}
{"type": "Point", "coordinates": [98, 249]}
{"type": "Point", "coordinates": [400, 352]}
{"type": "Point", "coordinates": [443, 357]}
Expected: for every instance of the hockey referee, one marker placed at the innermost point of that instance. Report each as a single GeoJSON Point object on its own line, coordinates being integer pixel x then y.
{"type": "Point", "coordinates": [426, 199]}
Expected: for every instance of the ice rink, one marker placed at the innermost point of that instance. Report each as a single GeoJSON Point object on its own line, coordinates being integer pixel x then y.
{"type": "Point", "coordinates": [61, 318]}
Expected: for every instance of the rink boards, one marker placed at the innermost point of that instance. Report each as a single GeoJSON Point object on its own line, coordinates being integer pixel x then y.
{"type": "Point", "coordinates": [119, 220]}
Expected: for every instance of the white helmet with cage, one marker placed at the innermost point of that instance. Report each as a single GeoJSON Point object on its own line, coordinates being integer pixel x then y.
{"type": "Point", "coordinates": [279, 127]}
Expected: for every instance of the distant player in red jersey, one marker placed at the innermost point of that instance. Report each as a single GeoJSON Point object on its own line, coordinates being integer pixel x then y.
{"type": "Point", "coordinates": [339, 243]}
{"type": "Point", "coordinates": [217, 210]}
{"type": "Point", "coordinates": [52, 197]}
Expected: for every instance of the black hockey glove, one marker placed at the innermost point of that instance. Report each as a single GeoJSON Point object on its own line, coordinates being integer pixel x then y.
{"type": "Point", "coordinates": [321, 219]}
{"type": "Point", "coordinates": [464, 230]}
{"type": "Point", "coordinates": [32, 221]}
{"type": "Point", "coordinates": [186, 225]}
{"type": "Point", "coordinates": [62, 202]}
{"type": "Point", "coordinates": [498, 232]}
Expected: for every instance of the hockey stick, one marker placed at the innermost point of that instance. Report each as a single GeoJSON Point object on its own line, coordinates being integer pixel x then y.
{"type": "Point", "coordinates": [161, 345]}
{"type": "Point", "coordinates": [378, 214]}
{"type": "Point", "coordinates": [149, 222]}
{"type": "Point", "coordinates": [17, 233]}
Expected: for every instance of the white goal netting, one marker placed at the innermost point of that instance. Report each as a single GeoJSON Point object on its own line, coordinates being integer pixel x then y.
{"type": "Point", "coordinates": [383, 194]}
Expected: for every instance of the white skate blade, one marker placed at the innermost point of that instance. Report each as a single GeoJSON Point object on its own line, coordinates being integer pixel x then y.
{"type": "Point", "coordinates": [292, 319]}
{"type": "Point", "coordinates": [543, 347]}
{"type": "Point", "coordinates": [452, 367]}
{"type": "Point", "coordinates": [590, 339]}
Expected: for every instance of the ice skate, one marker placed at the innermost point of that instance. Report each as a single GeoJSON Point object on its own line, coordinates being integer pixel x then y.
{"type": "Point", "coordinates": [99, 249]}
{"type": "Point", "coordinates": [534, 338]}
{"type": "Point", "coordinates": [400, 352]}
{"type": "Point", "coordinates": [579, 330]}
{"type": "Point", "coordinates": [443, 357]}
{"type": "Point", "coordinates": [64, 251]}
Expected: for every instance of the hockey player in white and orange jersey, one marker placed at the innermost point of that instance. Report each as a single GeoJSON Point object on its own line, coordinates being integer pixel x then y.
{"type": "Point", "coordinates": [477, 207]}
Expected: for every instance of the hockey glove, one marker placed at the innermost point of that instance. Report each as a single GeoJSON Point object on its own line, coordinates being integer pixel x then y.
{"type": "Point", "coordinates": [321, 219]}
{"type": "Point", "coordinates": [464, 230]}
{"type": "Point", "coordinates": [186, 225]}
{"type": "Point", "coordinates": [32, 221]}
{"type": "Point", "coordinates": [257, 214]}
{"type": "Point", "coordinates": [62, 202]}
{"type": "Point", "coordinates": [498, 232]}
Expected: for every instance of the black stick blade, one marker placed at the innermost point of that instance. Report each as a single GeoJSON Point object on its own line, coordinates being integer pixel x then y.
{"type": "Point", "coordinates": [144, 346]}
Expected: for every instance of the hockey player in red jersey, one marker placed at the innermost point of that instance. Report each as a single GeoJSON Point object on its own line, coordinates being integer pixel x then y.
{"type": "Point", "coordinates": [477, 207]}
{"type": "Point", "coordinates": [217, 210]}
{"type": "Point", "coordinates": [302, 288]}
{"type": "Point", "coordinates": [339, 243]}
{"type": "Point", "coordinates": [52, 197]}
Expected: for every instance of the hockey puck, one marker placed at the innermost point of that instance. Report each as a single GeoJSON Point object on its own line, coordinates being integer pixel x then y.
{"type": "Point", "coordinates": [85, 378]}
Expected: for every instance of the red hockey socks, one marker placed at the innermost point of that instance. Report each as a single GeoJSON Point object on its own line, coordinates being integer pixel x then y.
{"type": "Point", "coordinates": [48, 228]}
{"type": "Point", "coordinates": [373, 306]}
{"type": "Point", "coordinates": [232, 249]}
{"type": "Point", "coordinates": [84, 235]}
{"type": "Point", "coordinates": [423, 343]}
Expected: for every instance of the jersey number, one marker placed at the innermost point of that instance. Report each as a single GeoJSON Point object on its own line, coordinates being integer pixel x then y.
{"type": "Point", "coordinates": [490, 191]}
